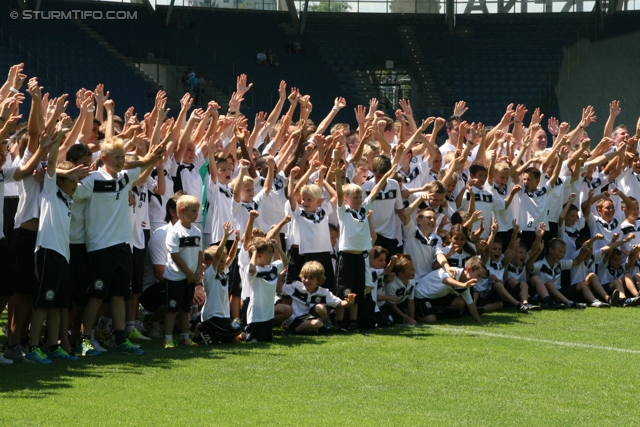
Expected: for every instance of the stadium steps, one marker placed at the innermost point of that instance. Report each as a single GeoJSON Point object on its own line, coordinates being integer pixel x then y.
{"type": "Point", "coordinates": [420, 70]}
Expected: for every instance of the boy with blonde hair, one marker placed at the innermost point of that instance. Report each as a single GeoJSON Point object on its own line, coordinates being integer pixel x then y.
{"type": "Point", "coordinates": [182, 270]}
{"type": "Point", "coordinates": [108, 236]}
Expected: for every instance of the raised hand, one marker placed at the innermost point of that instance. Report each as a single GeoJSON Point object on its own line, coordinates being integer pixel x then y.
{"type": "Point", "coordinates": [406, 107]}
{"type": "Point", "coordinates": [553, 126]}
{"type": "Point", "coordinates": [282, 90]}
{"type": "Point", "coordinates": [588, 116]}
{"type": "Point", "coordinates": [536, 117]}
{"type": "Point", "coordinates": [241, 84]}
{"type": "Point", "coordinates": [614, 108]}
{"type": "Point", "coordinates": [360, 114]}
{"type": "Point", "coordinates": [100, 96]}
{"type": "Point", "coordinates": [460, 108]}
{"type": "Point", "coordinates": [339, 103]}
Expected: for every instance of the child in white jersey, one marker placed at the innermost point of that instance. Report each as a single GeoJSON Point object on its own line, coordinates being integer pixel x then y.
{"type": "Point", "coordinates": [216, 323]}
{"type": "Point", "coordinates": [310, 301]}
{"type": "Point", "coordinates": [182, 270]}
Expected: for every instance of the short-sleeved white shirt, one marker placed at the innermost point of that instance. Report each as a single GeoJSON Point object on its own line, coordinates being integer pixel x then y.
{"type": "Point", "coordinates": [354, 227]}
{"type": "Point", "coordinates": [6, 177]}
{"type": "Point", "coordinates": [548, 273]}
{"type": "Point", "coordinates": [423, 249]}
{"type": "Point", "coordinates": [313, 229]}
{"type": "Point", "coordinates": [432, 287]}
{"type": "Point", "coordinates": [55, 218]}
{"type": "Point", "coordinates": [384, 207]}
{"type": "Point", "coordinates": [156, 254]}
{"type": "Point", "coordinates": [216, 289]}
{"type": "Point", "coordinates": [186, 242]}
{"type": "Point", "coordinates": [399, 289]}
{"type": "Point", "coordinates": [302, 300]}
{"type": "Point", "coordinates": [263, 285]}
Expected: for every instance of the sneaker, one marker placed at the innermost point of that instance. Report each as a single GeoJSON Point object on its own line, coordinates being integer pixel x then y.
{"type": "Point", "coordinates": [127, 347]}
{"type": "Point", "coordinates": [628, 302]}
{"type": "Point", "coordinates": [137, 335]}
{"type": "Point", "coordinates": [578, 305]}
{"type": "Point", "coordinates": [140, 327]}
{"type": "Point", "coordinates": [157, 331]}
{"type": "Point", "coordinates": [189, 343]}
{"type": "Point", "coordinates": [533, 307]}
{"type": "Point", "coordinates": [61, 354]}
{"type": "Point", "coordinates": [523, 308]}
{"type": "Point", "coordinates": [169, 344]}
{"type": "Point", "coordinates": [202, 338]}
{"type": "Point", "coordinates": [5, 361]}
{"type": "Point", "coordinates": [599, 304]}
{"type": "Point", "coordinates": [36, 355]}
{"type": "Point", "coordinates": [614, 301]}
{"type": "Point", "coordinates": [353, 328]}
{"type": "Point", "coordinates": [14, 352]}
{"type": "Point", "coordinates": [85, 348]}
{"type": "Point", "coordinates": [553, 305]}
{"type": "Point", "coordinates": [96, 346]}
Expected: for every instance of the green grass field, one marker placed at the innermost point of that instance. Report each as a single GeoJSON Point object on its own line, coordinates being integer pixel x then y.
{"type": "Point", "coordinates": [549, 368]}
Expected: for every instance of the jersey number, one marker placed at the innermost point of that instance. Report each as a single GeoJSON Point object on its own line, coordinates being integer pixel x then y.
{"type": "Point", "coordinates": [117, 196]}
{"type": "Point", "coordinates": [530, 224]}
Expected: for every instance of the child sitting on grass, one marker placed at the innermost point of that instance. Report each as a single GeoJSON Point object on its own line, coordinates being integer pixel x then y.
{"type": "Point", "coordinates": [310, 301]}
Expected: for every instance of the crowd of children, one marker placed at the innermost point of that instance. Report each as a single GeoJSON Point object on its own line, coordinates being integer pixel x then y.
{"type": "Point", "coordinates": [116, 230]}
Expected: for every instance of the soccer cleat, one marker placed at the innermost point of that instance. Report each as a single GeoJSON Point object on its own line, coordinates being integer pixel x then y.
{"type": "Point", "coordinates": [140, 327]}
{"type": "Point", "coordinates": [523, 308]}
{"type": "Point", "coordinates": [533, 307]}
{"type": "Point", "coordinates": [628, 302]}
{"type": "Point", "coordinates": [5, 361]}
{"type": "Point", "coordinates": [61, 354]}
{"type": "Point", "coordinates": [577, 305]}
{"type": "Point", "coordinates": [137, 335]}
{"type": "Point", "coordinates": [85, 348]}
{"type": "Point", "coordinates": [599, 304]}
{"type": "Point", "coordinates": [614, 301]}
{"type": "Point", "coordinates": [189, 343]}
{"type": "Point", "coordinates": [35, 355]}
{"type": "Point", "coordinates": [97, 346]}
{"type": "Point", "coordinates": [127, 347]}
{"type": "Point", "coordinates": [353, 327]}
{"type": "Point", "coordinates": [169, 344]}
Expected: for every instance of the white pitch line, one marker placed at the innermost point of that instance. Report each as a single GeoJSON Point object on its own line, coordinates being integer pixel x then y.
{"type": "Point", "coordinates": [536, 340]}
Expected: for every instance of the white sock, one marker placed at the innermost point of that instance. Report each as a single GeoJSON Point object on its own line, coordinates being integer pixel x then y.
{"type": "Point", "coordinates": [168, 337]}
{"type": "Point", "coordinates": [185, 336]}
{"type": "Point", "coordinates": [129, 326]}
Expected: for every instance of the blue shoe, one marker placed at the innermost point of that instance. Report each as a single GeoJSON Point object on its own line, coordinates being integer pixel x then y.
{"type": "Point", "coordinates": [36, 355]}
{"type": "Point", "coordinates": [86, 349]}
{"type": "Point", "coordinates": [61, 354]}
{"type": "Point", "coordinates": [127, 347]}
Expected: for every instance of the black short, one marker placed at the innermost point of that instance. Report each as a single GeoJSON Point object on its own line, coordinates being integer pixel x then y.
{"type": "Point", "coordinates": [351, 274]}
{"type": "Point", "coordinates": [390, 245]}
{"type": "Point", "coordinates": [491, 297]}
{"type": "Point", "coordinates": [367, 313]}
{"type": "Point", "coordinates": [137, 270]}
{"type": "Point", "coordinates": [388, 309]}
{"type": "Point", "coordinates": [424, 308]}
{"type": "Point", "coordinates": [295, 265]}
{"type": "Point", "coordinates": [571, 293]}
{"type": "Point", "coordinates": [259, 331]}
{"type": "Point", "coordinates": [179, 296]}
{"type": "Point", "coordinates": [324, 258]}
{"type": "Point", "coordinates": [78, 274]}
{"type": "Point", "coordinates": [153, 297]}
{"type": "Point", "coordinates": [235, 287]}
{"type": "Point", "coordinates": [514, 290]}
{"type": "Point", "coordinates": [444, 301]}
{"type": "Point", "coordinates": [300, 320]}
{"type": "Point", "coordinates": [24, 245]}
{"type": "Point", "coordinates": [52, 273]}
{"type": "Point", "coordinates": [10, 208]}
{"type": "Point", "coordinates": [223, 328]}
{"type": "Point", "coordinates": [6, 282]}
{"type": "Point", "coordinates": [110, 272]}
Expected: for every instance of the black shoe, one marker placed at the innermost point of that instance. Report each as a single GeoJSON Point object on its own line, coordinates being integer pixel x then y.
{"type": "Point", "coordinates": [341, 327]}
{"type": "Point", "coordinates": [533, 307]}
{"type": "Point", "coordinates": [577, 305]}
{"type": "Point", "coordinates": [631, 302]}
{"type": "Point", "coordinates": [614, 301]}
{"type": "Point", "coordinates": [353, 328]}
{"type": "Point", "coordinates": [552, 305]}
{"type": "Point", "coordinates": [481, 310]}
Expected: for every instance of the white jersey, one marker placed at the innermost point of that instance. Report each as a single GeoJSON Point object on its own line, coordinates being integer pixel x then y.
{"type": "Point", "coordinates": [423, 249]}
{"type": "Point", "coordinates": [432, 286]}
{"type": "Point", "coordinates": [29, 204]}
{"type": "Point", "coordinates": [263, 285]}
{"type": "Point", "coordinates": [272, 206]}
{"type": "Point", "coordinates": [107, 210]}
{"type": "Point", "coordinates": [6, 176]}
{"type": "Point", "coordinates": [216, 288]}
{"type": "Point", "coordinates": [55, 218]}
{"type": "Point", "coordinates": [579, 272]}
{"type": "Point", "coordinates": [302, 300]}
{"type": "Point", "coordinates": [399, 289]}
{"type": "Point", "coordinates": [313, 229]}
{"type": "Point", "coordinates": [551, 273]}
{"type": "Point", "coordinates": [384, 207]}
{"type": "Point", "coordinates": [354, 227]}
{"type": "Point", "coordinates": [187, 178]}
{"type": "Point", "coordinates": [485, 202]}
{"type": "Point", "coordinates": [606, 273]}
{"type": "Point", "coordinates": [156, 255]}
{"type": "Point", "coordinates": [187, 243]}
{"type": "Point", "coordinates": [503, 216]}
{"type": "Point", "coordinates": [157, 202]}
{"type": "Point", "coordinates": [137, 215]}
{"type": "Point", "coordinates": [597, 224]}
{"type": "Point", "coordinates": [533, 208]}
{"type": "Point", "coordinates": [219, 199]}
{"type": "Point", "coordinates": [570, 234]}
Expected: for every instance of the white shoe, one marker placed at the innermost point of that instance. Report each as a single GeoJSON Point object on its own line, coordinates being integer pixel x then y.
{"type": "Point", "coordinates": [5, 361]}
{"type": "Point", "coordinates": [96, 345]}
{"type": "Point", "coordinates": [140, 327]}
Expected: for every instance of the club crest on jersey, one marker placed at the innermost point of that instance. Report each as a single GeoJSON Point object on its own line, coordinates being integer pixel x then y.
{"type": "Point", "coordinates": [173, 303]}
{"type": "Point", "coordinates": [347, 291]}
{"type": "Point", "coordinates": [49, 295]}
{"type": "Point", "coordinates": [317, 300]}
{"type": "Point", "coordinates": [98, 285]}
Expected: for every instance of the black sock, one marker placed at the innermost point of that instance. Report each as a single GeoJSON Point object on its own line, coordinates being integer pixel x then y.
{"type": "Point", "coordinates": [120, 337]}
{"type": "Point", "coordinates": [53, 348]}
{"type": "Point", "coordinates": [546, 299]}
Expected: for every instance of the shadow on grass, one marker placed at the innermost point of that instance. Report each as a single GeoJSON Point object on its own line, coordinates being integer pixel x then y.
{"type": "Point", "coordinates": [27, 380]}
